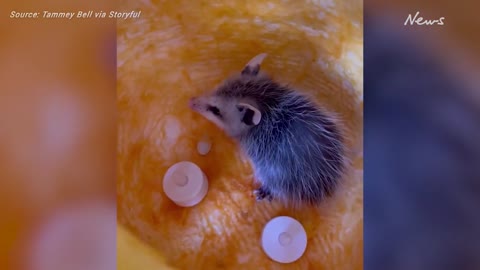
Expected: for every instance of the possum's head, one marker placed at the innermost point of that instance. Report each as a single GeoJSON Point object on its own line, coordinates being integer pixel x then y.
{"type": "Point", "coordinates": [233, 114]}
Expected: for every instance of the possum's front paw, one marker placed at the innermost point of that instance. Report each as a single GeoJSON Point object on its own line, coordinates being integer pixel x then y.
{"type": "Point", "coordinates": [262, 193]}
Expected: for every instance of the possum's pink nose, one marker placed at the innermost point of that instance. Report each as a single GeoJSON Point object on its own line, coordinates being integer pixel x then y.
{"type": "Point", "coordinates": [192, 103]}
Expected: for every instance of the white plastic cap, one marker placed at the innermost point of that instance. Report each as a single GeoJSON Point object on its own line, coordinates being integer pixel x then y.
{"type": "Point", "coordinates": [203, 147]}
{"type": "Point", "coordinates": [284, 239]}
{"type": "Point", "coordinates": [185, 184]}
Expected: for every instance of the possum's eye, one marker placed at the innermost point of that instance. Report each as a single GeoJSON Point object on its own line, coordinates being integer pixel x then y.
{"type": "Point", "coordinates": [214, 110]}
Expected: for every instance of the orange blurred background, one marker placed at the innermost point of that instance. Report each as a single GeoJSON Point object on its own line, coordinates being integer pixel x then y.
{"type": "Point", "coordinates": [57, 138]}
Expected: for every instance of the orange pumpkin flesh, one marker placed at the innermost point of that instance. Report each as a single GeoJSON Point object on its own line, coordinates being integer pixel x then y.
{"type": "Point", "coordinates": [179, 49]}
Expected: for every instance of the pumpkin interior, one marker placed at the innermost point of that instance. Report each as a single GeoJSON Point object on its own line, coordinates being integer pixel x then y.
{"type": "Point", "coordinates": [179, 49]}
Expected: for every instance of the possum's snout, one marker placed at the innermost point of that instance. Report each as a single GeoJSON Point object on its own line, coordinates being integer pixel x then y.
{"type": "Point", "coordinates": [193, 104]}
{"type": "Point", "coordinates": [198, 104]}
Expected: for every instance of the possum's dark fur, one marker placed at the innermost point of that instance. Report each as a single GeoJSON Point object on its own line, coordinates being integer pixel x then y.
{"type": "Point", "coordinates": [297, 149]}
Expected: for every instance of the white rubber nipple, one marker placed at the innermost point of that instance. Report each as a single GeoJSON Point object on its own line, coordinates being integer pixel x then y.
{"type": "Point", "coordinates": [185, 184]}
{"type": "Point", "coordinates": [284, 239]}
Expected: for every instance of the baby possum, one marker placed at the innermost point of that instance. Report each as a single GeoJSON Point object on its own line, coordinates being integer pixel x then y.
{"type": "Point", "coordinates": [296, 148]}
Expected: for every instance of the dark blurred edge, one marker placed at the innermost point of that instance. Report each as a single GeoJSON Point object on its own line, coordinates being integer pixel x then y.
{"type": "Point", "coordinates": [422, 153]}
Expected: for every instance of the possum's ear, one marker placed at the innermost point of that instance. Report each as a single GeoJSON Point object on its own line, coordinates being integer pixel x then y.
{"type": "Point", "coordinates": [253, 66]}
{"type": "Point", "coordinates": [251, 115]}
